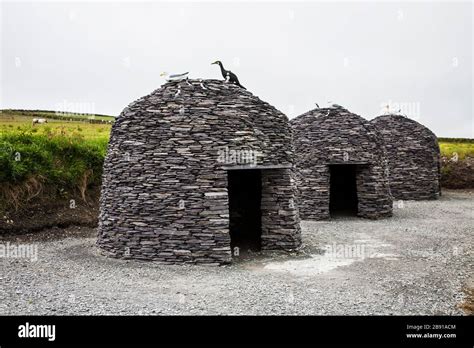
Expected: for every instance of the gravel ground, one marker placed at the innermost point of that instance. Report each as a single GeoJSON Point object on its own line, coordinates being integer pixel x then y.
{"type": "Point", "coordinates": [413, 263]}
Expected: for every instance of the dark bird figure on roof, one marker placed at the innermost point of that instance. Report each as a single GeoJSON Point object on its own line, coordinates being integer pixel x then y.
{"type": "Point", "coordinates": [228, 75]}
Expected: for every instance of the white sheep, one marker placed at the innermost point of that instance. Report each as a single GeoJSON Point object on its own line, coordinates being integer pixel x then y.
{"type": "Point", "coordinates": [39, 121]}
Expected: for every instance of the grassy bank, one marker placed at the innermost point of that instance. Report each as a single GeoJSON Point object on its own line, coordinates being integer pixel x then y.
{"type": "Point", "coordinates": [60, 159]}
{"type": "Point", "coordinates": [459, 148]}
{"type": "Point", "coordinates": [457, 163]}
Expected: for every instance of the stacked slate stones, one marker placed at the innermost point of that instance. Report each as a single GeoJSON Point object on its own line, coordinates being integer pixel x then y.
{"type": "Point", "coordinates": [328, 136]}
{"type": "Point", "coordinates": [413, 155]}
{"type": "Point", "coordinates": [164, 194]}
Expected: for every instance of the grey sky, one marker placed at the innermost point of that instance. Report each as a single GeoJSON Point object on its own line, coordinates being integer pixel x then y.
{"type": "Point", "coordinates": [99, 57]}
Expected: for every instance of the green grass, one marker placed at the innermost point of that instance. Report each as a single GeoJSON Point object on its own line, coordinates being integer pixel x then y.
{"type": "Point", "coordinates": [459, 148]}
{"type": "Point", "coordinates": [61, 160]}
{"type": "Point", "coordinates": [65, 155]}
{"type": "Point", "coordinates": [89, 131]}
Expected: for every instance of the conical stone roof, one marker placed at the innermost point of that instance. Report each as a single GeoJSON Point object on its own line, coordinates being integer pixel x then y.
{"type": "Point", "coordinates": [413, 157]}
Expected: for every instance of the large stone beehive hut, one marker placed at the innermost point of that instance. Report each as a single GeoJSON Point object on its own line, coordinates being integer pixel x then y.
{"type": "Point", "coordinates": [341, 165]}
{"type": "Point", "coordinates": [413, 156]}
{"type": "Point", "coordinates": [194, 170]}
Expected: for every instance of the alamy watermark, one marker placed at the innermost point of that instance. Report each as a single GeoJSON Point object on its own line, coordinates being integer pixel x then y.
{"type": "Point", "coordinates": [65, 108]}
{"type": "Point", "coordinates": [238, 157]}
{"type": "Point", "coordinates": [351, 251]}
{"type": "Point", "coordinates": [347, 251]}
{"type": "Point", "coordinates": [408, 109]}
{"type": "Point", "coordinates": [19, 251]}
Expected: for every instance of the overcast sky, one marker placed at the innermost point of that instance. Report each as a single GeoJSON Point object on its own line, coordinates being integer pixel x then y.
{"type": "Point", "coordinates": [99, 57]}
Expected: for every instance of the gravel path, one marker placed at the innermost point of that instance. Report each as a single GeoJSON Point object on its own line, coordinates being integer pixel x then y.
{"type": "Point", "coordinates": [413, 263]}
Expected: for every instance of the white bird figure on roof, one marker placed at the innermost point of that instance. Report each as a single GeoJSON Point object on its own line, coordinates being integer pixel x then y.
{"type": "Point", "coordinates": [175, 77]}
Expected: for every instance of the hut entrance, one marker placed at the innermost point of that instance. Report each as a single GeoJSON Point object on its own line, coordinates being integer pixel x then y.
{"type": "Point", "coordinates": [245, 195]}
{"type": "Point", "coordinates": [343, 190]}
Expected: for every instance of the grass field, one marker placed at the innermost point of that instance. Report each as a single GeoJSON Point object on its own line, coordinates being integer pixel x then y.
{"type": "Point", "coordinates": [63, 116]}
{"type": "Point", "coordinates": [75, 128]}
{"type": "Point", "coordinates": [461, 148]}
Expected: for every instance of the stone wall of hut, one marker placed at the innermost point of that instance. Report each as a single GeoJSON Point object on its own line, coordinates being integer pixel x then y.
{"type": "Point", "coordinates": [329, 136]}
{"type": "Point", "coordinates": [164, 194]}
{"type": "Point", "coordinates": [413, 156]}
{"type": "Point", "coordinates": [280, 215]}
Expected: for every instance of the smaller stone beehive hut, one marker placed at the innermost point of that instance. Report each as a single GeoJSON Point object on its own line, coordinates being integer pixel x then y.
{"type": "Point", "coordinates": [194, 170]}
{"type": "Point", "coordinates": [413, 157]}
{"type": "Point", "coordinates": [341, 165]}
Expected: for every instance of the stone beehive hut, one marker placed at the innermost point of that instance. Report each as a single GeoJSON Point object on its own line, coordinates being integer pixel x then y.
{"type": "Point", "coordinates": [197, 169]}
{"type": "Point", "coordinates": [341, 165]}
{"type": "Point", "coordinates": [413, 157]}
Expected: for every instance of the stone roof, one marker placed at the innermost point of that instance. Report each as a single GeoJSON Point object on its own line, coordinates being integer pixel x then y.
{"type": "Point", "coordinates": [413, 155]}
{"type": "Point", "coordinates": [327, 134]}
{"type": "Point", "coordinates": [208, 112]}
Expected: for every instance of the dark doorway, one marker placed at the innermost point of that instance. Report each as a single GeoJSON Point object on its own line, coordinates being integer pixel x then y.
{"type": "Point", "coordinates": [343, 190]}
{"type": "Point", "coordinates": [245, 192]}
